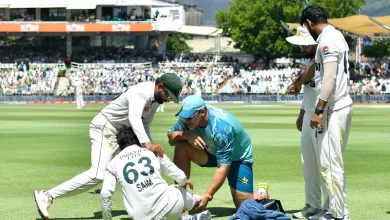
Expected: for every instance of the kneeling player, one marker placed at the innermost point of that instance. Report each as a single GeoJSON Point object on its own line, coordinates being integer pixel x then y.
{"type": "Point", "coordinates": [146, 194]}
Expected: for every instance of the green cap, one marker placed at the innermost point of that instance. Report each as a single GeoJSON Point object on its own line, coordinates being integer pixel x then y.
{"type": "Point", "coordinates": [173, 85]}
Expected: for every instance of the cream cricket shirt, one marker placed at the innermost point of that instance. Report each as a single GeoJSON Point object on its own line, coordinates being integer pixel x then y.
{"type": "Point", "coordinates": [135, 107]}
{"type": "Point", "coordinates": [145, 192]}
{"type": "Point", "coordinates": [332, 47]}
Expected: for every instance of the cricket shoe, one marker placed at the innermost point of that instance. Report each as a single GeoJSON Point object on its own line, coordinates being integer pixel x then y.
{"type": "Point", "coordinates": [205, 215]}
{"type": "Point", "coordinates": [318, 215]}
{"type": "Point", "coordinates": [43, 201]}
{"type": "Point", "coordinates": [329, 217]}
{"type": "Point", "coordinates": [306, 212]}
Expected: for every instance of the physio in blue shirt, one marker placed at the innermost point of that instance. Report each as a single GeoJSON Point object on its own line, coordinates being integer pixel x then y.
{"type": "Point", "coordinates": [213, 137]}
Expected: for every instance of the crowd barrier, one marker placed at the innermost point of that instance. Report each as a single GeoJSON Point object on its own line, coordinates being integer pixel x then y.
{"type": "Point", "coordinates": [207, 98]}
{"type": "Point", "coordinates": [147, 65]}
{"type": "Point", "coordinates": [194, 64]}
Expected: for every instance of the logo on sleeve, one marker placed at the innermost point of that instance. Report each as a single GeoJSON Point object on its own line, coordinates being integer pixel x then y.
{"type": "Point", "coordinates": [146, 109]}
{"type": "Point", "coordinates": [325, 50]}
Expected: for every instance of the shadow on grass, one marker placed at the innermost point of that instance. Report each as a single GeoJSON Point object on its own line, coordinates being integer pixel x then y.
{"type": "Point", "coordinates": [388, 212]}
{"type": "Point", "coordinates": [217, 212]}
{"type": "Point", "coordinates": [96, 215]}
{"type": "Point", "coordinates": [291, 211]}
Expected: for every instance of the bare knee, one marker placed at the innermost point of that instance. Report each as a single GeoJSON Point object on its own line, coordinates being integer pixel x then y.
{"type": "Point", "coordinates": [239, 197]}
{"type": "Point", "coordinates": [182, 148]}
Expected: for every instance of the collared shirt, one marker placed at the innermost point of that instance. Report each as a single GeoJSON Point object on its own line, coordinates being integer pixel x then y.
{"type": "Point", "coordinates": [135, 107]}
{"type": "Point", "coordinates": [332, 47]}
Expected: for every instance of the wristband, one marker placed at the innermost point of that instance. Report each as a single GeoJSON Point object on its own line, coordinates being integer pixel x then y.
{"type": "Point", "coordinates": [209, 196]}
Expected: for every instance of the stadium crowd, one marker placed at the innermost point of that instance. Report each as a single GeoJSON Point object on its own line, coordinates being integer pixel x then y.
{"type": "Point", "coordinates": [200, 74]}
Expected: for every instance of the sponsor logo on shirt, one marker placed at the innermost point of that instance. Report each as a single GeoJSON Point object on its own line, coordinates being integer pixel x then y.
{"type": "Point", "coordinates": [325, 50]}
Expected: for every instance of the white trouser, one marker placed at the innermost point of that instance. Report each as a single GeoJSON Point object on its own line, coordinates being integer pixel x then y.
{"type": "Point", "coordinates": [160, 108]}
{"type": "Point", "coordinates": [310, 156]}
{"type": "Point", "coordinates": [104, 146]}
{"type": "Point", "coordinates": [332, 144]}
{"type": "Point", "coordinates": [79, 100]}
{"type": "Point", "coordinates": [182, 199]}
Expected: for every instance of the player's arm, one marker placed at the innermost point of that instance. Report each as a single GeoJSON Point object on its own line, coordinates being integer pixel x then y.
{"type": "Point", "coordinates": [170, 169]}
{"type": "Point", "coordinates": [106, 193]}
{"type": "Point", "coordinates": [306, 76]}
{"type": "Point", "coordinates": [224, 143]}
{"type": "Point", "coordinates": [177, 132]}
{"type": "Point", "coordinates": [330, 56]}
{"type": "Point", "coordinates": [137, 101]}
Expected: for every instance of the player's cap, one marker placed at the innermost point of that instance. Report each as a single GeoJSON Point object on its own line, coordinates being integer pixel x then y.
{"type": "Point", "coordinates": [173, 85]}
{"type": "Point", "coordinates": [302, 37]}
{"type": "Point", "coordinates": [191, 104]}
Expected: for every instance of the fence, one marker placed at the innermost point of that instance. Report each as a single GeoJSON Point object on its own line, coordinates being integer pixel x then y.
{"type": "Point", "coordinates": [208, 98]}
{"type": "Point", "coordinates": [147, 65]}
{"type": "Point", "coordinates": [194, 64]}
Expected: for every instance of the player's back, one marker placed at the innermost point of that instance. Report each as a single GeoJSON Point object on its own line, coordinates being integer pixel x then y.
{"type": "Point", "coordinates": [138, 172]}
{"type": "Point", "coordinates": [222, 120]}
{"type": "Point", "coordinates": [117, 112]}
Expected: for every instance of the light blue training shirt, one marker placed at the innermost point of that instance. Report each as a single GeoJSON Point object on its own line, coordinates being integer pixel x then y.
{"type": "Point", "coordinates": [224, 136]}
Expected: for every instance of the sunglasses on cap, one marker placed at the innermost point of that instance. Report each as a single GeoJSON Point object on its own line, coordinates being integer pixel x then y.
{"type": "Point", "coordinates": [167, 94]}
{"type": "Point", "coordinates": [304, 47]}
{"type": "Point", "coordinates": [192, 116]}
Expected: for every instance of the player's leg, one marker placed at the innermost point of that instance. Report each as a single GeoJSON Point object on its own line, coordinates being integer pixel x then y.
{"type": "Point", "coordinates": [310, 169]}
{"type": "Point", "coordinates": [240, 179]}
{"type": "Point", "coordinates": [185, 153]}
{"type": "Point", "coordinates": [332, 158]}
{"type": "Point", "coordinates": [104, 145]}
{"type": "Point", "coordinates": [183, 200]}
{"type": "Point", "coordinates": [344, 144]}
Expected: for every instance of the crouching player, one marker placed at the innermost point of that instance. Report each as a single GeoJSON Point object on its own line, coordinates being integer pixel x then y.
{"type": "Point", "coordinates": [146, 194]}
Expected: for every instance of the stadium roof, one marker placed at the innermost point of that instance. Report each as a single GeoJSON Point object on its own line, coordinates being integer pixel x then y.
{"type": "Point", "coordinates": [359, 25]}
{"type": "Point", "coordinates": [77, 4]}
{"type": "Point", "coordinates": [200, 30]}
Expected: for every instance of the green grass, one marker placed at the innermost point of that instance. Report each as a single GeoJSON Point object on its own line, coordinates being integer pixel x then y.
{"type": "Point", "coordinates": [44, 145]}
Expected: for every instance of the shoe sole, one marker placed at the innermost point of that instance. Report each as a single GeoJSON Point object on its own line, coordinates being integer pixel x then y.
{"type": "Point", "coordinates": [39, 210]}
{"type": "Point", "coordinates": [205, 216]}
{"type": "Point", "coordinates": [295, 217]}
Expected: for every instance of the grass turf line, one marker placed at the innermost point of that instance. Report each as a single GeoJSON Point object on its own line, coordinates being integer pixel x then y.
{"type": "Point", "coordinates": [44, 145]}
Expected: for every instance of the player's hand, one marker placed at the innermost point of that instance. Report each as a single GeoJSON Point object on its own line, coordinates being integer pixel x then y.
{"type": "Point", "coordinates": [203, 201]}
{"type": "Point", "coordinates": [299, 122]}
{"type": "Point", "coordinates": [294, 89]}
{"type": "Point", "coordinates": [195, 140]}
{"type": "Point", "coordinates": [156, 148]}
{"type": "Point", "coordinates": [189, 183]}
{"type": "Point", "coordinates": [315, 121]}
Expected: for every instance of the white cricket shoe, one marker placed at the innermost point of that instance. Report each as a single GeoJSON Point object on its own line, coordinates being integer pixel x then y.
{"type": "Point", "coordinates": [306, 212]}
{"type": "Point", "coordinates": [43, 201]}
{"type": "Point", "coordinates": [205, 215]}
{"type": "Point", "coordinates": [318, 215]}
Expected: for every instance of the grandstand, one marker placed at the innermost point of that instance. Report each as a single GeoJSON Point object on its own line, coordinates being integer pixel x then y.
{"type": "Point", "coordinates": [115, 44]}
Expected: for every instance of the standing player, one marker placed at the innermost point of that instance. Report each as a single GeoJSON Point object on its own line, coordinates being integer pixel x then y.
{"type": "Point", "coordinates": [333, 127]}
{"type": "Point", "coordinates": [135, 107]}
{"type": "Point", "coordinates": [309, 150]}
{"type": "Point", "coordinates": [78, 84]}
{"type": "Point", "coordinates": [145, 193]}
{"type": "Point", "coordinates": [161, 108]}
{"type": "Point", "coordinates": [213, 137]}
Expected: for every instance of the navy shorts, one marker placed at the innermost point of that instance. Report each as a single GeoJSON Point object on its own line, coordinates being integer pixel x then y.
{"type": "Point", "coordinates": [240, 176]}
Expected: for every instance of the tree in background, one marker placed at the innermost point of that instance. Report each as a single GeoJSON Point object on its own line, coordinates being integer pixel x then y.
{"type": "Point", "coordinates": [378, 49]}
{"type": "Point", "coordinates": [176, 43]}
{"type": "Point", "coordinates": [254, 25]}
